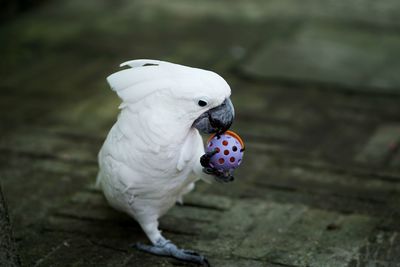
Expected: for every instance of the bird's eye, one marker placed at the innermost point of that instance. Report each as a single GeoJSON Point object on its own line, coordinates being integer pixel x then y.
{"type": "Point", "coordinates": [202, 103]}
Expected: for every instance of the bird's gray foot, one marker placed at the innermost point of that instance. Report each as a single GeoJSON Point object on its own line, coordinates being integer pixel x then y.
{"type": "Point", "coordinates": [166, 248]}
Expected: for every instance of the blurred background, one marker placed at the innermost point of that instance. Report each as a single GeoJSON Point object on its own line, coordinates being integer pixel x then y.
{"type": "Point", "coordinates": [316, 87]}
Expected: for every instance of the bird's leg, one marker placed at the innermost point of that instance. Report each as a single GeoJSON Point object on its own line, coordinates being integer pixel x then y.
{"type": "Point", "coordinates": [165, 248]}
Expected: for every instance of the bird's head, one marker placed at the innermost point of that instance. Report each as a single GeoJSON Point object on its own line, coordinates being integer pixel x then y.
{"type": "Point", "coordinates": [196, 97]}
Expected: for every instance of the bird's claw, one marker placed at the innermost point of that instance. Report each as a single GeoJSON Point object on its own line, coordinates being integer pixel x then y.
{"type": "Point", "coordinates": [224, 177]}
{"type": "Point", "coordinates": [168, 249]}
{"type": "Point", "coordinates": [220, 176]}
{"type": "Point", "coordinates": [205, 159]}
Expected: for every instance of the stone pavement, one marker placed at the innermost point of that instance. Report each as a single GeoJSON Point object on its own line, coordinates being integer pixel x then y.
{"type": "Point", "coordinates": [316, 89]}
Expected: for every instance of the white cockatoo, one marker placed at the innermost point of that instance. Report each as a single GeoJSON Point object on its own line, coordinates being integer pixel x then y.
{"type": "Point", "coordinates": [151, 156]}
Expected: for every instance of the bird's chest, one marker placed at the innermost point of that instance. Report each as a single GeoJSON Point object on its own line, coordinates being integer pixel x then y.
{"type": "Point", "coordinates": [168, 159]}
{"type": "Point", "coordinates": [161, 183]}
{"type": "Point", "coordinates": [162, 167]}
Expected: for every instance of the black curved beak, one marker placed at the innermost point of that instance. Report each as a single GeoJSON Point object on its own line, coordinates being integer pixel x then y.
{"type": "Point", "coordinates": [216, 120]}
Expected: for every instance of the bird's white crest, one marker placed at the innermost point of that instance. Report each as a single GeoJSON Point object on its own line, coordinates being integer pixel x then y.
{"type": "Point", "coordinates": [146, 76]}
{"type": "Point", "coordinates": [141, 62]}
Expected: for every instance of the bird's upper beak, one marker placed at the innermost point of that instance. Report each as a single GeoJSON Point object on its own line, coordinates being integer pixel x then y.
{"type": "Point", "coordinates": [216, 120]}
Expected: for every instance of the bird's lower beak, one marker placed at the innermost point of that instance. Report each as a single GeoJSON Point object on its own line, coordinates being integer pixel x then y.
{"type": "Point", "coordinates": [216, 120]}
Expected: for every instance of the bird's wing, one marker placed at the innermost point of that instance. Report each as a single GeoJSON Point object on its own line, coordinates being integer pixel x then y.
{"type": "Point", "coordinates": [191, 152]}
{"type": "Point", "coordinates": [197, 168]}
{"type": "Point", "coordinates": [189, 149]}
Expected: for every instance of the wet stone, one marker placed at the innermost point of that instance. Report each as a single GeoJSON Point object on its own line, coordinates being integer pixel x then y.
{"type": "Point", "coordinates": [296, 235]}
{"type": "Point", "coordinates": [318, 185]}
{"type": "Point", "coordinates": [366, 11]}
{"type": "Point", "coordinates": [333, 55]}
{"type": "Point", "coordinates": [382, 146]}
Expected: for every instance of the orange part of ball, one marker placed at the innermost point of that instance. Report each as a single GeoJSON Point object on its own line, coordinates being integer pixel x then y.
{"type": "Point", "coordinates": [231, 133]}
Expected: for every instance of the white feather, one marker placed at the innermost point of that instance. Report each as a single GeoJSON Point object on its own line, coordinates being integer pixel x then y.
{"type": "Point", "coordinates": [141, 62]}
{"type": "Point", "coordinates": [149, 156]}
{"type": "Point", "coordinates": [140, 80]}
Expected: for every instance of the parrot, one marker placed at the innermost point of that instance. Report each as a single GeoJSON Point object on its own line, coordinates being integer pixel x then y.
{"type": "Point", "coordinates": [154, 153]}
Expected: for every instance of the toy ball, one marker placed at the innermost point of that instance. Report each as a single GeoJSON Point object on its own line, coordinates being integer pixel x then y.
{"type": "Point", "coordinates": [229, 147]}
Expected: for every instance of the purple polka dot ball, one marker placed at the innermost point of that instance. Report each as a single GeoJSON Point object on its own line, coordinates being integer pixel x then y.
{"type": "Point", "coordinates": [229, 147]}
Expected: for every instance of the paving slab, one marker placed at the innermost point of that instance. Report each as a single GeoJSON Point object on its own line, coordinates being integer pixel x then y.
{"type": "Point", "coordinates": [8, 252]}
{"type": "Point", "coordinates": [332, 55]}
{"type": "Point", "coordinates": [374, 254]}
{"type": "Point", "coordinates": [302, 196]}
{"type": "Point", "coordinates": [257, 231]}
{"type": "Point", "coordinates": [382, 146]}
{"type": "Point", "coordinates": [361, 11]}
